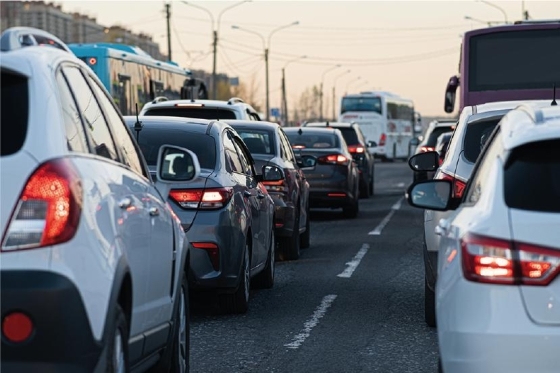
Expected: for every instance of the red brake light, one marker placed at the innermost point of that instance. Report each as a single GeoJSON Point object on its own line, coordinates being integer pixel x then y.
{"type": "Point", "coordinates": [356, 149]}
{"type": "Point", "coordinates": [49, 208]}
{"type": "Point", "coordinates": [17, 327]}
{"type": "Point", "coordinates": [275, 186]}
{"type": "Point", "coordinates": [382, 139]}
{"type": "Point", "coordinates": [458, 185]}
{"type": "Point", "coordinates": [491, 260]}
{"type": "Point", "coordinates": [333, 159]}
{"type": "Point", "coordinates": [201, 198]}
{"type": "Point", "coordinates": [425, 149]}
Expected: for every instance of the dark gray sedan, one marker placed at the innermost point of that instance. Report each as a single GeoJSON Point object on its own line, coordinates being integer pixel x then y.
{"type": "Point", "coordinates": [333, 175]}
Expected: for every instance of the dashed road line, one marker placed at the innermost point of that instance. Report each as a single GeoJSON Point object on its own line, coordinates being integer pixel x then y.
{"type": "Point", "coordinates": [379, 228]}
{"type": "Point", "coordinates": [353, 264]}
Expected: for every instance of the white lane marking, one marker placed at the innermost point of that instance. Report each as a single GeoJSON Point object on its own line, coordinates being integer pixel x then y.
{"type": "Point", "coordinates": [353, 264]}
{"type": "Point", "coordinates": [379, 228]}
{"type": "Point", "coordinates": [312, 322]}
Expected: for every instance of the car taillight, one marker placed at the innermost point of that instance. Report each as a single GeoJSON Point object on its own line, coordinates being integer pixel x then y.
{"type": "Point", "coordinates": [382, 139]}
{"type": "Point", "coordinates": [458, 185]}
{"type": "Point", "coordinates": [492, 260]}
{"type": "Point", "coordinates": [275, 186]}
{"type": "Point", "coordinates": [333, 159]}
{"type": "Point", "coordinates": [356, 149]}
{"type": "Point", "coordinates": [425, 149]}
{"type": "Point", "coordinates": [205, 199]}
{"type": "Point", "coordinates": [48, 210]}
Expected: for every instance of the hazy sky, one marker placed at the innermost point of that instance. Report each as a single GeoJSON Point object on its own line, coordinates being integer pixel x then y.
{"type": "Point", "coordinates": [407, 47]}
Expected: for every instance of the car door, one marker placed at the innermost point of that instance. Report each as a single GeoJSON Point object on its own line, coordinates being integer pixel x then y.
{"type": "Point", "coordinates": [295, 179]}
{"type": "Point", "coordinates": [159, 239]}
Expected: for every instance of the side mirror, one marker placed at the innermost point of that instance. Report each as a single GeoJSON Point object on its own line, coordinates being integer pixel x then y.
{"type": "Point", "coordinates": [414, 142]}
{"type": "Point", "coordinates": [175, 165]}
{"type": "Point", "coordinates": [450, 93]}
{"type": "Point", "coordinates": [272, 173]}
{"type": "Point", "coordinates": [430, 195]}
{"type": "Point", "coordinates": [306, 161]}
{"type": "Point", "coordinates": [428, 161]}
{"type": "Point", "coordinates": [371, 144]}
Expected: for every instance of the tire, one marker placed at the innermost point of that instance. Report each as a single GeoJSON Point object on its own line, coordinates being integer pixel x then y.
{"type": "Point", "coordinates": [265, 279]}
{"type": "Point", "coordinates": [372, 183]}
{"type": "Point", "coordinates": [238, 302]}
{"type": "Point", "coordinates": [429, 305]}
{"type": "Point", "coordinates": [117, 344]}
{"type": "Point", "coordinates": [290, 246]}
{"type": "Point", "coordinates": [351, 211]}
{"type": "Point", "coordinates": [305, 238]}
{"type": "Point", "coordinates": [364, 190]}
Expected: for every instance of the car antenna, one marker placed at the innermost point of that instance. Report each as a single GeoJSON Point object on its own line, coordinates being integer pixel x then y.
{"type": "Point", "coordinates": [138, 125]}
{"type": "Point", "coordinates": [553, 96]}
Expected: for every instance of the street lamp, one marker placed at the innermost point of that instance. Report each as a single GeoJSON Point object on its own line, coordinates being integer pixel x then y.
{"type": "Point", "coordinates": [496, 7]}
{"type": "Point", "coordinates": [266, 45]}
{"type": "Point", "coordinates": [469, 18]}
{"type": "Point", "coordinates": [284, 99]}
{"type": "Point", "coordinates": [334, 93]}
{"type": "Point", "coordinates": [215, 29]}
{"type": "Point", "coordinates": [352, 81]}
{"type": "Point", "coordinates": [321, 89]}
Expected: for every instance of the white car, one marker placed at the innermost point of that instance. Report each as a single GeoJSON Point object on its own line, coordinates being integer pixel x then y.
{"type": "Point", "coordinates": [93, 259]}
{"type": "Point", "coordinates": [498, 291]}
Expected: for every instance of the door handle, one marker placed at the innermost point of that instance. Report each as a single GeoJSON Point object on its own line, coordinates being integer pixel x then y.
{"type": "Point", "coordinates": [154, 211]}
{"type": "Point", "coordinates": [247, 194]}
{"type": "Point", "coordinates": [125, 203]}
{"type": "Point", "coordinates": [442, 227]}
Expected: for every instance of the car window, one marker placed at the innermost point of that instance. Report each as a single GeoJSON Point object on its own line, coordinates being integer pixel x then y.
{"type": "Point", "coordinates": [73, 126]}
{"type": "Point", "coordinates": [243, 157]}
{"type": "Point", "coordinates": [258, 141]}
{"type": "Point", "coordinates": [350, 136]}
{"type": "Point", "coordinates": [431, 140]}
{"type": "Point", "coordinates": [122, 135]}
{"type": "Point", "coordinates": [532, 177]}
{"type": "Point", "coordinates": [15, 96]}
{"type": "Point", "coordinates": [317, 140]}
{"type": "Point", "coordinates": [287, 147]}
{"type": "Point", "coordinates": [208, 112]}
{"type": "Point", "coordinates": [475, 136]}
{"type": "Point", "coordinates": [95, 124]}
{"type": "Point", "coordinates": [481, 173]}
{"type": "Point", "coordinates": [233, 163]}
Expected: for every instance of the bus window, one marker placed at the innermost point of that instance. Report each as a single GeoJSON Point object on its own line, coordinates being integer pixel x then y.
{"type": "Point", "coordinates": [124, 93]}
{"type": "Point", "coordinates": [156, 89]}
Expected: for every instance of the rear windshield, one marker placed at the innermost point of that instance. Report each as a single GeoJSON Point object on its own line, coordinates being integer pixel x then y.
{"type": "Point", "coordinates": [532, 177]}
{"type": "Point", "coordinates": [476, 135]}
{"type": "Point", "coordinates": [258, 141]}
{"type": "Point", "coordinates": [151, 139]}
{"type": "Point", "coordinates": [197, 112]}
{"type": "Point", "coordinates": [316, 140]}
{"type": "Point", "coordinates": [15, 110]}
{"type": "Point", "coordinates": [372, 104]}
{"type": "Point", "coordinates": [350, 136]}
{"type": "Point", "coordinates": [432, 138]}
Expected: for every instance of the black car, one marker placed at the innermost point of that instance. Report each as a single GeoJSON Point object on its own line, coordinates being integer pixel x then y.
{"type": "Point", "coordinates": [358, 147]}
{"type": "Point", "coordinates": [269, 145]}
{"type": "Point", "coordinates": [334, 179]}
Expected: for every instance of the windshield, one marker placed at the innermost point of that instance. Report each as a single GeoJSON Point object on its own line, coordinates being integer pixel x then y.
{"type": "Point", "coordinates": [361, 104]}
{"type": "Point", "coordinates": [316, 140]}
{"type": "Point", "coordinates": [196, 112]}
{"type": "Point", "coordinates": [151, 139]}
{"type": "Point", "coordinates": [15, 110]}
{"type": "Point", "coordinates": [257, 141]}
{"type": "Point", "coordinates": [514, 60]}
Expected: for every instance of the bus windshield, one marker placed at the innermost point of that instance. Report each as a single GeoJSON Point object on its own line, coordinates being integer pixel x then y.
{"type": "Point", "coordinates": [361, 104]}
{"type": "Point", "coordinates": [525, 59]}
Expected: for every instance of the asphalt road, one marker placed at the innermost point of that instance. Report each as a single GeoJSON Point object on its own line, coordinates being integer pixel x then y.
{"type": "Point", "coordinates": [353, 302]}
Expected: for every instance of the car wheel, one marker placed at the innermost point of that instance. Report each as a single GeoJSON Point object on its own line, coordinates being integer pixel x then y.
{"type": "Point", "coordinates": [238, 302]}
{"type": "Point", "coordinates": [117, 344]}
{"type": "Point", "coordinates": [372, 184]}
{"type": "Point", "coordinates": [429, 305]}
{"type": "Point", "coordinates": [290, 245]}
{"type": "Point", "coordinates": [265, 279]}
{"type": "Point", "coordinates": [306, 236]}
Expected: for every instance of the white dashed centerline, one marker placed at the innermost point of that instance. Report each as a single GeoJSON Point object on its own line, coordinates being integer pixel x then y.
{"type": "Point", "coordinates": [312, 322]}
{"type": "Point", "coordinates": [379, 228]}
{"type": "Point", "coordinates": [353, 264]}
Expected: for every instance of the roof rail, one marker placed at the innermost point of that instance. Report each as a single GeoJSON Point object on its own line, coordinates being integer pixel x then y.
{"type": "Point", "coordinates": [534, 113]}
{"type": "Point", "coordinates": [536, 21]}
{"type": "Point", "coordinates": [159, 99]}
{"type": "Point", "coordinates": [235, 100]}
{"type": "Point", "coordinates": [21, 37]}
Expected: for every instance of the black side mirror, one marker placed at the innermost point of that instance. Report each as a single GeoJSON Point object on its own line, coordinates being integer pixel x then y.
{"type": "Point", "coordinates": [272, 173]}
{"type": "Point", "coordinates": [430, 195]}
{"type": "Point", "coordinates": [450, 93]}
{"type": "Point", "coordinates": [371, 144]}
{"type": "Point", "coordinates": [428, 161]}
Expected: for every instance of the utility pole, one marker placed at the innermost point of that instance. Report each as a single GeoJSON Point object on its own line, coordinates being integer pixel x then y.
{"type": "Point", "coordinates": [333, 105]}
{"type": "Point", "coordinates": [214, 80]}
{"type": "Point", "coordinates": [168, 16]}
{"type": "Point", "coordinates": [267, 87]}
{"type": "Point", "coordinates": [284, 100]}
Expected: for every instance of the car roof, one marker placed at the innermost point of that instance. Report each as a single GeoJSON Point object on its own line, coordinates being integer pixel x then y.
{"type": "Point", "coordinates": [164, 122]}
{"type": "Point", "coordinates": [443, 123]}
{"type": "Point", "coordinates": [234, 105]}
{"type": "Point", "coordinates": [251, 124]}
{"type": "Point", "coordinates": [330, 124]}
{"type": "Point", "coordinates": [530, 123]}
{"type": "Point", "coordinates": [312, 129]}
{"type": "Point", "coordinates": [503, 105]}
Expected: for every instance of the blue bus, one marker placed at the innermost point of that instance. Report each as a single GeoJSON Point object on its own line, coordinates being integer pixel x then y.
{"type": "Point", "coordinates": [133, 77]}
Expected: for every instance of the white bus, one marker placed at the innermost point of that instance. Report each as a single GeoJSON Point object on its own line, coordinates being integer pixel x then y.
{"type": "Point", "coordinates": [385, 118]}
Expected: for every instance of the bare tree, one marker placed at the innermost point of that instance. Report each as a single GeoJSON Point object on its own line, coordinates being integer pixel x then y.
{"type": "Point", "coordinates": [308, 105]}
{"type": "Point", "coordinates": [248, 92]}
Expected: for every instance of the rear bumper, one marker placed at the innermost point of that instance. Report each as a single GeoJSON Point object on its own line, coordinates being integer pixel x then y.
{"type": "Point", "coordinates": [62, 340]}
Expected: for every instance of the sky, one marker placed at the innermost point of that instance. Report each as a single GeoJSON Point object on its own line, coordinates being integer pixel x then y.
{"type": "Point", "coordinates": [407, 47]}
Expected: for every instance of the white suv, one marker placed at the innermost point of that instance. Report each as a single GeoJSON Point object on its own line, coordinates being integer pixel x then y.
{"type": "Point", "coordinates": [234, 108]}
{"type": "Point", "coordinates": [93, 259]}
{"type": "Point", "coordinates": [498, 291]}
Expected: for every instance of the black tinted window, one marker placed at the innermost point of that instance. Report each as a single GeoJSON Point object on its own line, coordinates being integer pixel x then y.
{"type": "Point", "coordinates": [433, 136]}
{"type": "Point", "coordinates": [15, 111]}
{"type": "Point", "coordinates": [361, 104]}
{"type": "Point", "coordinates": [151, 139]}
{"type": "Point", "coordinates": [532, 177]}
{"type": "Point", "coordinates": [201, 113]}
{"type": "Point", "coordinates": [258, 141]}
{"type": "Point", "coordinates": [475, 137]}
{"type": "Point", "coordinates": [350, 136]}
{"type": "Point", "coordinates": [317, 140]}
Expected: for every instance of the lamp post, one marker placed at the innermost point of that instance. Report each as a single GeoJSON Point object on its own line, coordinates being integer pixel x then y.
{"type": "Point", "coordinates": [496, 7]}
{"type": "Point", "coordinates": [352, 81]}
{"type": "Point", "coordinates": [334, 93]}
{"type": "Point", "coordinates": [284, 99]}
{"type": "Point", "coordinates": [469, 18]}
{"type": "Point", "coordinates": [215, 29]}
{"type": "Point", "coordinates": [321, 89]}
{"type": "Point", "coordinates": [266, 46]}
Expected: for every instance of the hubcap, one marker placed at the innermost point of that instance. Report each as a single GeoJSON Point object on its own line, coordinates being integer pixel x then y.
{"type": "Point", "coordinates": [118, 353]}
{"type": "Point", "coordinates": [182, 335]}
